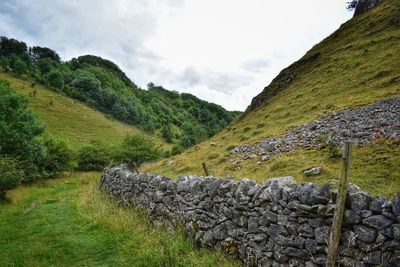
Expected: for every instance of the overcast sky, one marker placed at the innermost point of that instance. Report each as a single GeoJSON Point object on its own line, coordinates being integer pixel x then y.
{"type": "Point", "coordinates": [223, 51]}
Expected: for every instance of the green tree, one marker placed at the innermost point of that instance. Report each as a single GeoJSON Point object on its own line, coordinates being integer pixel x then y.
{"type": "Point", "coordinates": [88, 86]}
{"type": "Point", "coordinates": [18, 125]}
{"type": "Point", "coordinates": [137, 148]}
{"type": "Point", "coordinates": [55, 79]}
{"type": "Point", "coordinates": [4, 63]}
{"type": "Point", "coordinates": [19, 66]}
{"type": "Point", "coordinates": [45, 65]}
{"type": "Point", "coordinates": [167, 133]}
{"type": "Point", "coordinates": [37, 52]}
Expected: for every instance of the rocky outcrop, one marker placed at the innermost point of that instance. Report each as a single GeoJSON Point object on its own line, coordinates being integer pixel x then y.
{"type": "Point", "coordinates": [364, 5]}
{"type": "Point", "coordinates": [364, 125]}
{"type": "Point", "coordinates": [278, 223]}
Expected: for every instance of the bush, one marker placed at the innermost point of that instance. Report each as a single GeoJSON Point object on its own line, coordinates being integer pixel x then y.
{"type": "Point", "coordinates": [18, 125]}
{"type": "Point", "coordinates": [137, 148]}
{"type": "Point", "coordinates": [177, 149]}
{"type": "Point", "coordinates": [333, 149]}
{"type": "Point", "coordinates": [55, 79]}
{"type": "Point", "coordinates": [10, 175]}
{"type": "Point", "coordinates": [58, 155]}
{"type": "Point", "coordinates": [93, 157]}
{"type": "Point", "coordinates": [19, 66]}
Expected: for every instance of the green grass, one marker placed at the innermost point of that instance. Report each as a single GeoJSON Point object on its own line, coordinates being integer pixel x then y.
{"type": "Point", "coordinates": [68, 222]}
{"type": "Point", "coordinates": [357, 65]}
{"type": "Point", "coordinates": [375, 168]}
{"type": "Point", "coordinates": [69, 118]}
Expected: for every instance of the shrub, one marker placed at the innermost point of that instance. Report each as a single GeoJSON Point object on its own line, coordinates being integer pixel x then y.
{"type": "Point", "coordinates": [333, 149]}
{"type": "Point", "coordinates": [19, 66]}
{"type": "Point", "coordinates": [177, 149]}
{"type": "Point", "coordinates": [137, 148]}
{"type": "Point", "coordinates": [58, 155]}
{"type": "Point", "coordinates": [55, 79]}
{"type": "Point", "coordinates": [10, 175]}
{"type": "Point", "coordinates": [18, 125]}
{"type": "Point", "coordinates": [167, 133]}
{"type": "Point", "coordinates": [93, 157]}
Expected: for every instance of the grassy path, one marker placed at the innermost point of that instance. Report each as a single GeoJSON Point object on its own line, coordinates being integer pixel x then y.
{"type": "Point", "coordinates": [68, 222]}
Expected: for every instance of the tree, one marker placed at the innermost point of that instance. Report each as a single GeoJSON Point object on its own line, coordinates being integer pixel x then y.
{"type": "Point", "coordinates": [55, 79]}
{"type": "Point", "coordinates": [137, 148]}
{"type": "Point", "coordinates": [87, 84]}
{"type": "Point", "coordinates": [37, 52]}
{"type": "Point", "coordinates": [19, 66]}
{"type": "Point", "coordinates": [18, 125]}
{"type": "Point", "coordinates": [167, 133]}
{"type": "Point", "coordinates": [12, 46]}
{"type": "Point", "coordinates": [4, 63]}
{"type": "Point", "coordinates": [45, 65]}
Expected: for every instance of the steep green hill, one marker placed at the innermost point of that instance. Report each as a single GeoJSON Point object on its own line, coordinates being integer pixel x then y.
{"type": "Point", "coordinates": [68, 118]}
{"type": "Point", "coordinates": [182, 119]}
{"type": "Point", "coordinates": [357, 65]}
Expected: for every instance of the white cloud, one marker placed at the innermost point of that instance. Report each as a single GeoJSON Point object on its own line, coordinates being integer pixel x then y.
{"type": "Point", "coordinates": [220, 50]}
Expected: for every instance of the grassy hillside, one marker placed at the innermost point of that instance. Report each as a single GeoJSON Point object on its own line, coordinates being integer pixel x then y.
{"type": "Point", "coordinates": [68, 222]}
{"type": "Point", "coordinates": [355, 66]}
{"type": "Point", "coordinates": [182, 119]}
{"type": "Point", "coordinates": [69, 118]}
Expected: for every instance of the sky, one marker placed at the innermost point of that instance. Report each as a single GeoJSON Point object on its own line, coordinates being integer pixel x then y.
{"type": "Point", "coordinates": [222, 51]}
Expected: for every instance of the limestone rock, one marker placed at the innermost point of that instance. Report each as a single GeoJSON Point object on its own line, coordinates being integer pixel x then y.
{"type": "Point", "coordinates": [359, 201]}
{"type": "Point", "coordinates": [313, 171]}
{"type": "Point", "coordinates": [365, 233]}
{"type": "Point", "coordinates": [377, 221]}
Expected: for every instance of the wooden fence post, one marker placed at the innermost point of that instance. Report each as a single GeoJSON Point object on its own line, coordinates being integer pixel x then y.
{"type": "Point", "coordinates": [205, 169]}
{"type": "Point", "coordinates": [334, 238]}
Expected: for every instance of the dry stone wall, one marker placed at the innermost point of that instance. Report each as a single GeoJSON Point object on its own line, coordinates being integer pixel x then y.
{"type": "Point", "coordinates": [279, 223]}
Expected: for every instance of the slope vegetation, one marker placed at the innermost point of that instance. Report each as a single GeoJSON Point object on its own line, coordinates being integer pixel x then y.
{"type": "Point", "coordinates": [355, 66]}
{"type": "Point", "coordinates": [182, 119]}
{"type": "Point", "coordinates": [68, 118]}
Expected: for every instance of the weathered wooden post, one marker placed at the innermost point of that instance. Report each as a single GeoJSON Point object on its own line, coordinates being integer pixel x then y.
{"type": "Point", "coordinates": [334, 239]}
{"type": "Point", "coordinates": [205, 169]}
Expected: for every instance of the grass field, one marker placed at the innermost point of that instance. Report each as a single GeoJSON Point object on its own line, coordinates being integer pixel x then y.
{"type": "Point", "coordinates": [70, 119]}
{"type": "Point", "coordinates": [355, 66]}
{"type": "Point", "coordinates": [68, 222]}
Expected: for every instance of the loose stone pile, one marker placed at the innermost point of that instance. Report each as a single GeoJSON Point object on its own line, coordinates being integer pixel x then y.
{"type": "Point", "coordinates": [279, 223]}
{"type": "Point", "coordinates": [364, 125]}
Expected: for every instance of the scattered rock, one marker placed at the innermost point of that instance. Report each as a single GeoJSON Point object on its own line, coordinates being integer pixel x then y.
{"type": "Point", "coordinates": [313, 171]}
{"type": "Point", "coordinates": [281, 181]}
{"type": "Point", "coordinates": [362, 125]}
